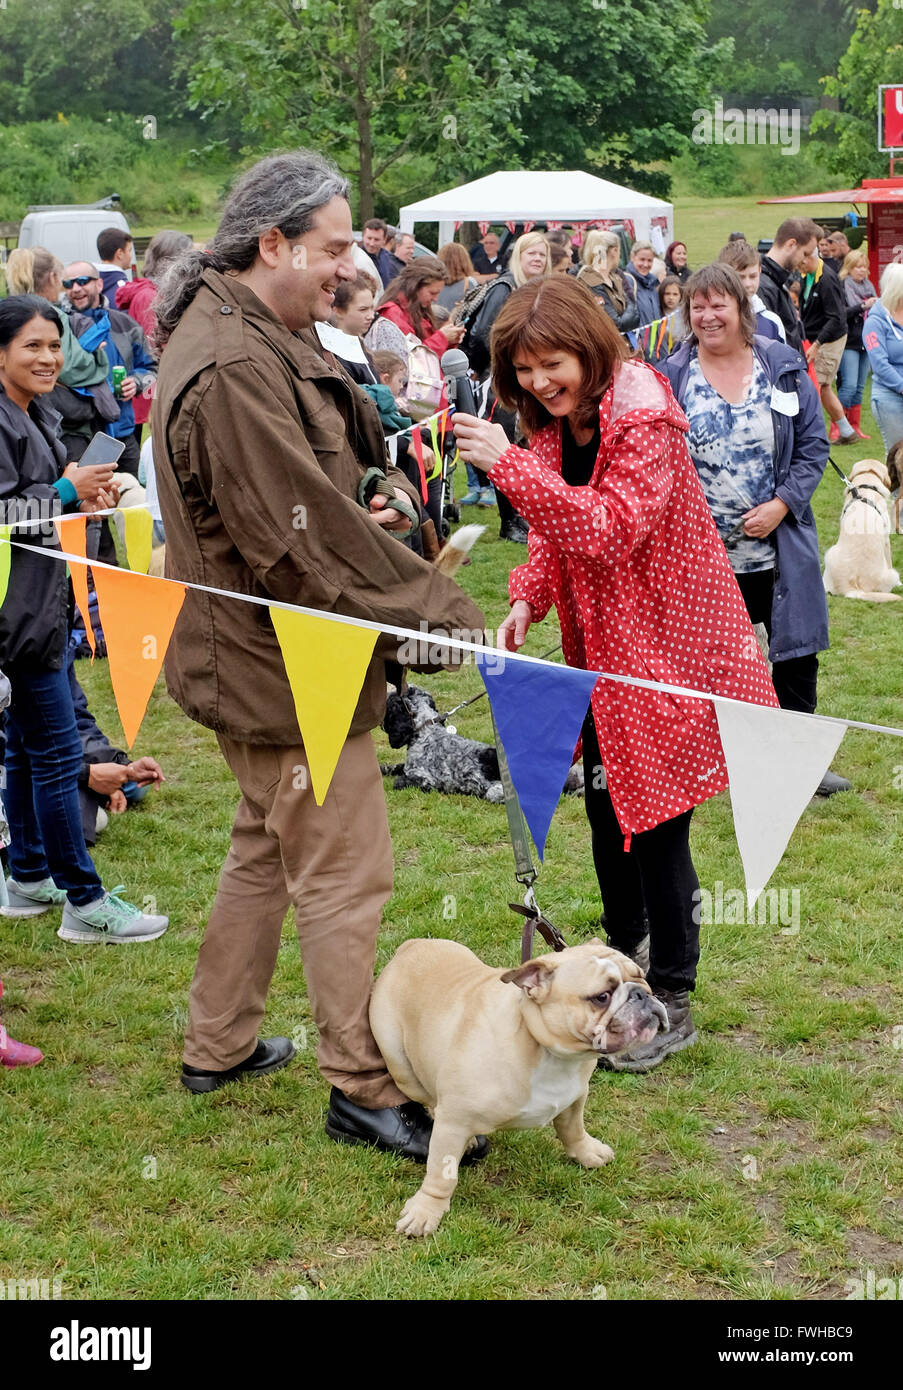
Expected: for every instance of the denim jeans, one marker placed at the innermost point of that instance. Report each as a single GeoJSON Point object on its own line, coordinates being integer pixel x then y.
{"type": "Point", "coordinates": [43, 760]}
{"type": "Point", "coordinates": [852, 375]}
{"type": "Point", "coordinates": [887, 408]}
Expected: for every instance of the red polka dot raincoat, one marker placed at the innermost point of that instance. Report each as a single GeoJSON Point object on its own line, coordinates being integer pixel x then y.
{"type": "Point", "coordinates": [643, 587]}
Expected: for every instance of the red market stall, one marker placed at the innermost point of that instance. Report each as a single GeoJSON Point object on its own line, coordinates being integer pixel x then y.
{"type": "Point", "coordinates": [883, 203]}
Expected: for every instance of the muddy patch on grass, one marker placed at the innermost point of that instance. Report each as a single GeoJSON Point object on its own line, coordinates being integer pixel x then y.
{"type": "Point", "coordinates": [99, 1076]}
{"type": "Point", "coordinates": [874, 1252]}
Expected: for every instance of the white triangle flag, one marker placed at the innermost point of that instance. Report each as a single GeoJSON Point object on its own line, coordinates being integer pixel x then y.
{"type": "Point", "coordinates": [775, 760]}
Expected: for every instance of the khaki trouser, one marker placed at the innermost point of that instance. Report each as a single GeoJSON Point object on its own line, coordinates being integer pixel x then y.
{"type": "Point", "coordinates": [334, 863]}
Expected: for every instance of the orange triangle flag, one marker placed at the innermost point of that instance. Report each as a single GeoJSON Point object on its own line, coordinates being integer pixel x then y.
{"type": "Point", "coordinates": [138, 615]}
{"type": "Point", "coordinates": [73, 537]}
{"type": "Point", "coordinates": [325, 663]}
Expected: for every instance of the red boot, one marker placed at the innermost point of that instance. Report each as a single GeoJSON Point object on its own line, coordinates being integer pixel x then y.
{"type": "Point", "coordinates": [853, 414]}
{"type": "Point", "coordinates": [16, 1054]}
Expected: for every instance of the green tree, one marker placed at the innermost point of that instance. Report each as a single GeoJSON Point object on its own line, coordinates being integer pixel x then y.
{"type": "Point", "coordinates": [617, 85]}
{"type": "Point", "coordinates": [370, 84]}
{"type": "Point", "coordinates": [88, 60]}
{"type": "Point", "coordinates": [781, 49]}
{"type": "Point", "coordinates": [875, 55]}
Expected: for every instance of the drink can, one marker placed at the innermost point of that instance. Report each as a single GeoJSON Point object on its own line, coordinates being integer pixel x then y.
{"type": "Point", "coordinates": [119, 376]}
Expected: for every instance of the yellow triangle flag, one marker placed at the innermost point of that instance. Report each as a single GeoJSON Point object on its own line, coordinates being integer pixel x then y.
{"type": "Point", "coordinates": [325, 663]}
{"type": "Point", "coordinates": [138, 534]}
{"type": "Point", "coordinates": [6, 556]}
{"type": "Point", "coordinates": [137, 614]}
{"type": "Point", "coordinates": [72, 531]}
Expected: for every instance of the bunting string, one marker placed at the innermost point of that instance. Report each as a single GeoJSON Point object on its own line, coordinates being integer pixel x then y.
{"type": "Point", "coordinates": [455, 644]}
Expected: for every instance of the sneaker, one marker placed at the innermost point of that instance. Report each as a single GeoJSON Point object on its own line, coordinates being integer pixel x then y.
{"type": "Point", "coordinates": [487, 497]}
{"type": "Point", "coordinates": [109, 918]}
{"type": "Point", "coordinates": [31, 899]}
{"type": "Point", "coordinates": [681, 1033]}
{"type": "Point", "coordinates": [470, 499]}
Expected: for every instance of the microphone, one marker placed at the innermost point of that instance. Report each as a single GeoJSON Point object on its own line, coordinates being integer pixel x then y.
{"type": "Point", "coordinates": [455, 367]}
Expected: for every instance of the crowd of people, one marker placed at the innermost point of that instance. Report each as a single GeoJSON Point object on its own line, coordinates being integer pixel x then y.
{"type": "Point", "coordinates": [73, 363]}
{"type": "Point", "coordinates": [669, 477]}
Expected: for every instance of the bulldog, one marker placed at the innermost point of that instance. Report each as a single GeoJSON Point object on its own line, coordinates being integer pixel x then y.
{"type": "Point", "coordinates": [485, 1048]}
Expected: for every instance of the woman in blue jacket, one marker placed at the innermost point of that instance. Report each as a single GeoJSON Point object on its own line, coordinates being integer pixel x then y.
{"type": "Point", "coordinates": [49, 864]}
{"type": "Point", "coordinates": [883, 339]}
{"type": "Point", "coordinates": [758, 442]}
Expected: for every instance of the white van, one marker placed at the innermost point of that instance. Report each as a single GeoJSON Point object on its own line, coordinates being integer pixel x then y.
{"type": "Point", "coordinates": [69, 232]}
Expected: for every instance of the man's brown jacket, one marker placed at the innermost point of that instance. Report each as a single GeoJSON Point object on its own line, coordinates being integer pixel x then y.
{"type": "Point", "coordinates": [259, 448]}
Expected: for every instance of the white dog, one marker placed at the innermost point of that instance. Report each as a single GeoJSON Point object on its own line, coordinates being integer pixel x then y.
{"type": "Point", "coordinates": [859, 566]}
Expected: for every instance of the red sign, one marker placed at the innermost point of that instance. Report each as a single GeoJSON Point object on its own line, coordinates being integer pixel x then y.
{"type": "Point", "coordinates": [890, 118]}
{"type": "Point", "coordinates": [885, 237]}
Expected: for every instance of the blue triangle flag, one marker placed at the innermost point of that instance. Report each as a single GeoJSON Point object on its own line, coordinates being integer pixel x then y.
{"type": "Point", "coordinates": [538, 711]}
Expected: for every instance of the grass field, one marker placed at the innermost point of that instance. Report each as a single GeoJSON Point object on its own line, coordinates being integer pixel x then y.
{"type": "Point", "coordinates": [764, 1162]}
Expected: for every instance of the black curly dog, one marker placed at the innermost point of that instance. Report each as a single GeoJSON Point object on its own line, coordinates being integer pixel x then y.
{"type": "Point", "coordinates": [439, 760]}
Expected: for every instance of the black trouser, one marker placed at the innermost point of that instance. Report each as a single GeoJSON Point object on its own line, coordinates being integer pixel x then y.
{"type": "Point", "coordinates": [507, 513]}
{"type": "Point", "coordinates": [653, 887]}
{"type": "Point", "coordinates": [130, 456]}
{"type": "Point", "coordinates": [508, 421]}
{"type": "Point", "coordinates": [794, 681]}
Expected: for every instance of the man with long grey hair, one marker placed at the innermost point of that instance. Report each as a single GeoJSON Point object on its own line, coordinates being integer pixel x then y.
{"type": "Point", "coordinates": [267, 456]}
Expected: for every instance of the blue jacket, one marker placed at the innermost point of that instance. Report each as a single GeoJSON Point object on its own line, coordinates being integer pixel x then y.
{"type": "Point", "coordinates": [799, 614]}
{"type": "Point", "coordinates": [646, 295]}
{"type": "Point", "coordinates": [883, 341]}
{"type": "Point", "coordinates": [125, 346]}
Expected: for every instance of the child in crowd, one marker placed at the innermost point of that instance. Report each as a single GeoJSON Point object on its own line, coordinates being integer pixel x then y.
{"type": "Point", "coordinates": [794, 289]}
{"type": "Point", "coordinates": [392, 374]}
{"type": "Point", "coordinates": [670, 332]}
{"type": "Point", "coordinates": [747, 262]}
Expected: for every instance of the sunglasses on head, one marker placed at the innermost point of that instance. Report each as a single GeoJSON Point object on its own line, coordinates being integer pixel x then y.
{"type": "Point", "coordinates": [78, 280]}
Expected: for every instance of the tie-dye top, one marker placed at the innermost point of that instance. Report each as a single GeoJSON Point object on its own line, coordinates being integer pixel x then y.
{"type": "Point", "coordinates": [732, 447]}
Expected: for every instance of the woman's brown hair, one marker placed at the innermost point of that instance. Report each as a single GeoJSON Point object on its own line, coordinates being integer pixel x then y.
{"type": "Point", "coordinates": [456, 260]}
{"type": "Point", "coordinates": [403, 290]}
{"type": "Point", "coordinates": [719, 278]}
{"type": "Point", "coordinates": [555, 315]}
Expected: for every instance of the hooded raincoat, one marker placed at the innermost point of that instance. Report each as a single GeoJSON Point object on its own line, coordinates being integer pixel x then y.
{"type": "Point", "coordinates": [643, 587]}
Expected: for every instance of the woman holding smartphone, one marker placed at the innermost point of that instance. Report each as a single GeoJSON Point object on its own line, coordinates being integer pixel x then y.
{"type": "Point", "coordinates": [623, 544]}
{"type": "Point", "coordinates": [49, 864]}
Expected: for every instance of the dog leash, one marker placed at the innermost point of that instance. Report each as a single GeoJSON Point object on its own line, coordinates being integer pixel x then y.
{"type": "Point", "coordinates": [524, 871]}
{"type": "Point", "coordinates": [856, 489]}
{"type": "Point", "coordinates": [481, 694]}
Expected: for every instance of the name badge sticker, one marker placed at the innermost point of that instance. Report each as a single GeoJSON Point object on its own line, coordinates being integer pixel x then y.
{"type": "Point", "coordinates": [785, 402]}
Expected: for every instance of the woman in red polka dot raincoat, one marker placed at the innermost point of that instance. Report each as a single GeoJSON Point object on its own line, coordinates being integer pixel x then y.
{"type": "Point", "coordinates": [623, 544]}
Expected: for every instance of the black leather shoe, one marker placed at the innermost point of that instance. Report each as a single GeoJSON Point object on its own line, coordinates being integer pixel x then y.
{"type": "Point", "coordinates": [831, 783]}
{"type": "Point", "coordinates": [515, 530]}
{"type": "Point", "coordinates": [398, 1129]}
{"type": "Point", "coordinates": [269, 1055]}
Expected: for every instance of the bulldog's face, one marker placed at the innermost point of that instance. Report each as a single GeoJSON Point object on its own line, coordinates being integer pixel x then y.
{"type": "Point", "coordinates": [589, 998]}
{"type": "Point", "coordinates": [874, 473]}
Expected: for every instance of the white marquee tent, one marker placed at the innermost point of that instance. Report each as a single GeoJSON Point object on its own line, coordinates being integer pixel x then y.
{"type": "Point", "coordinates": [555, 197]}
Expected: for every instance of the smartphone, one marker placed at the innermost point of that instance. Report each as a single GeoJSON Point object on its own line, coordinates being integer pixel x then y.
{"type": "Point", "coordinates": [102, 449]}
